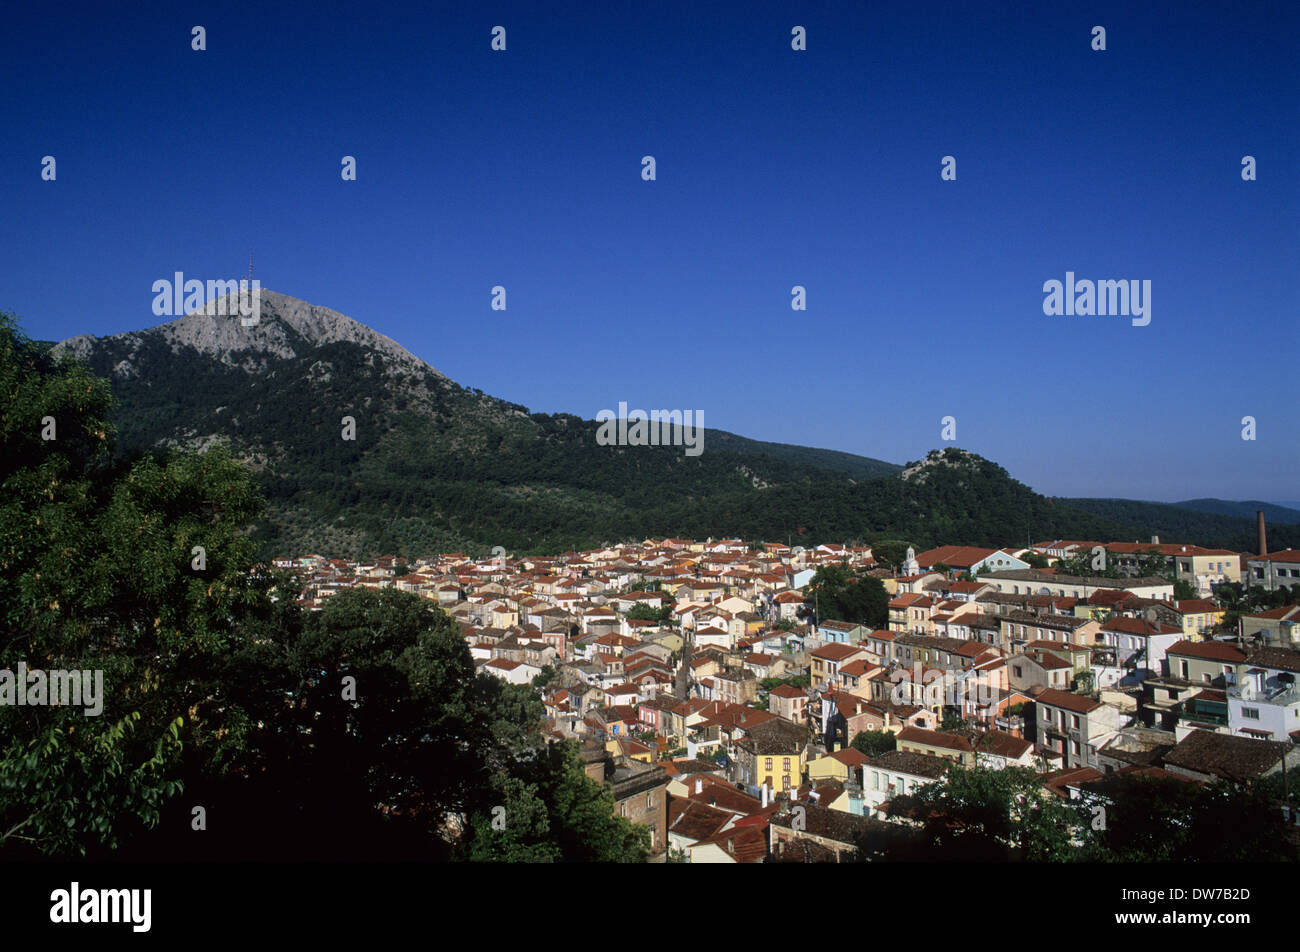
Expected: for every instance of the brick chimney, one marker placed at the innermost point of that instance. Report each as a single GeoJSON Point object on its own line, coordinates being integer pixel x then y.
{"type": "Point", "coordinates": [1259, 523]}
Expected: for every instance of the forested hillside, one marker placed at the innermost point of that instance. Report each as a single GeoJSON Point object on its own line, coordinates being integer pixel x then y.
{"type": "Point", "coordinates": [435, 466]}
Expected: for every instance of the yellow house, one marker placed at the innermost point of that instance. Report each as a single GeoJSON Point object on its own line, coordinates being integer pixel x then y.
{"type": "Point", "coordinates": [672, 586]}
{"type": "Point", "coordinates": [917, 740]}
{"type": "Point", "coordinates": [631, 748]}
{"type": "Point", "coordinates": [774, 753]}
{"type": "Point", "coordinates": [1199, 615]}
{"type": "Point", "coordinates": [838, 765]}
{"type": "Point", "coordinates": [670, 640]}
{"type": "Point", "coordinates": [503, 617]}
{"type": "Point", "coordinates": [1092, 612]}
{"type": "Point", "coordinates": [782, 771]}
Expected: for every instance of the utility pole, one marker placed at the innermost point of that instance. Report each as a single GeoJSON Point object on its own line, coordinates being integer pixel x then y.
{"type": "Point", "coordinates": [1286, 793]}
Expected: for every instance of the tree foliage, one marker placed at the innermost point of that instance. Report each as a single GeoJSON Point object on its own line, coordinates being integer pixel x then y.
{"type": "Point", "coordinates": [360, 731]}
{"type": "Point", "coordinates": [549, 810]}
{"type": "Point", "coordinates": [977, 813]}
{"type": "Point", "coordinates": [1166, 819]}
{"type": "Point", "coordinates": [874, 743]}
{"type": "Point", "coordinates": [841, 594]}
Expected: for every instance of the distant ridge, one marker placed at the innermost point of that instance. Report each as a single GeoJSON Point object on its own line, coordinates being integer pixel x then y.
{"type": "Point", "coordinates": [1246, 509]}
{"type": "Point", "coordinates": [435, 466]}
{"type": "Point", "coordinates": [1176, 522]}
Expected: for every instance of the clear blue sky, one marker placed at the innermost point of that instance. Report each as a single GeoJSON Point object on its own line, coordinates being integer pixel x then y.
{"type": "Point", "coordinates": [775, 168]}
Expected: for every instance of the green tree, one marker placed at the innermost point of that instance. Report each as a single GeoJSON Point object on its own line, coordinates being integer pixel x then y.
{"type": "Point", "coordinates": [1168, 819]}
{"type": "Point", "coordinates": [794, 680]}
{"type": "Point", "coordinates": [977, 813]}
{"type": "Point", "coordinates": [553, 812]}
{"type": "Point", "coordinates": [138, 569]}
{"type": "Point", "coordinates": [1151, 564]}
{"type": "Point", "coordinates": [214, 680]}
{"type": "Point", "coordinates": [1080, 565]}
{"type": "Point", "coordinates": [890, 552]}
{"type": "Point", "coordinates": [645, 612]}
{"type": "Point", "coordinates": [874, 743]}
{"type": "Point", "coordinates": [840, 594]}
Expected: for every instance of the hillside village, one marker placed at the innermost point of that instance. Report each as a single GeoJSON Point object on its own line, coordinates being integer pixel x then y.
{"type": "Point", "coordinates": [704, 689]}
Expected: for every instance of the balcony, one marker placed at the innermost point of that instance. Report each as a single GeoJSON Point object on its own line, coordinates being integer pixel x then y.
{"type": "Point", "coordinates": [1280, 694]}
{"type": "Point", "coordinates": [1071, 733]}
{"type": "Point", "coordinates": [1216, 714]}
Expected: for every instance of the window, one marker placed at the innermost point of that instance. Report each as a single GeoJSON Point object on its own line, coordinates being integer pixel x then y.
{"type": "Point", "coordinates": [1250, 713]}
{"type": "Point", "coordinates": [1074, 747]}
{"type": "Point", "coordinates": [1074, 721]}
{"type": "Point", "coordinates": [767, 764]}
{"type": "Point", "coordinates": [786, 764]}
{"type": "Point", "coordinates": [1185, 670]}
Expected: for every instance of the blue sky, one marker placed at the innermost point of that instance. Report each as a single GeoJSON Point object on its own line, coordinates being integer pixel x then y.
{"type": "Point", "coordinates": [775, 168]}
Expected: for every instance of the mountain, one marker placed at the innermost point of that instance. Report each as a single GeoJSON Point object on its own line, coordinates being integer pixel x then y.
{"type": "Point", "coordinates": [435, 466]}
{"type": "Point", "coordinates": [1245, 510]}
{"type": "Point", "coordinates": [1175, 522]}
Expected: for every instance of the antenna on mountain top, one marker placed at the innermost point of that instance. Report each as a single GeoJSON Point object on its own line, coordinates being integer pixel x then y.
{"type": "Point", "coordinates": [250, 269]}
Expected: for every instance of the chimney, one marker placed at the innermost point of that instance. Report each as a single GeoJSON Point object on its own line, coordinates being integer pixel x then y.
{"type": "Point", "coordinates": [699, 784]}
{"type": "Point", "coordinates": [1259, 523]}
{"type": "Point", "coordinates": [1155, 540]}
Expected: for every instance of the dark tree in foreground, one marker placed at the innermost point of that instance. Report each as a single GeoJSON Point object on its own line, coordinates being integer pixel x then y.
{"type": "Point", "coordinates": [1163, 819]}
{"type": "Point", "coordinates": [979, 814]}
{"type": "Point", "coordinates": [361, 731]}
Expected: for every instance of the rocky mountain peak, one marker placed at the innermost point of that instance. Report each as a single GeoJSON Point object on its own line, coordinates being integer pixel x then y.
{"type": "Point", "coordinates": [285, 325]}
